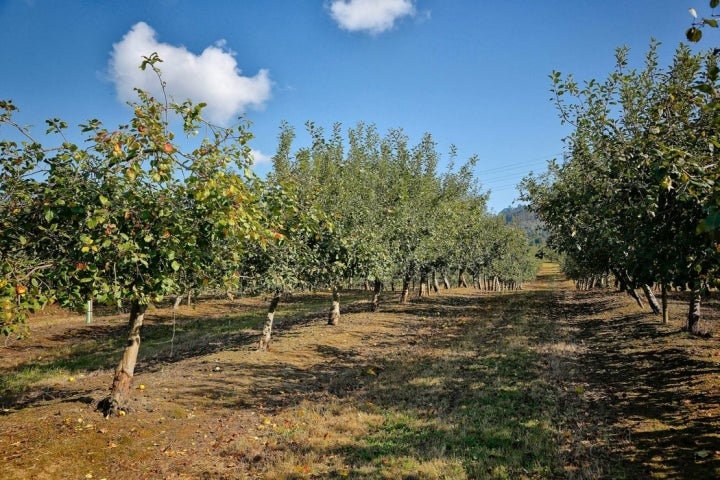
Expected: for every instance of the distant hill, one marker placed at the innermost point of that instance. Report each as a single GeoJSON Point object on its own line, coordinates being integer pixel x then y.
{"type": "Point", "coordinates": [526, 220]}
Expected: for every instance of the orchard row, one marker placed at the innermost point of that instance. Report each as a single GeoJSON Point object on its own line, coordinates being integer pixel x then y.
{"type": "Point", "coordinates": [137, 214]}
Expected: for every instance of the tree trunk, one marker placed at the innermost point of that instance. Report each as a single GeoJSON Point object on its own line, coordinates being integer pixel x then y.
{"type": "Point", "coordinates": [652, 301]}
{"type": "Point", "coordinates": [405, 294]}
{"type": "Point", "coordinates": [446, 283]}
{"type": "Point", "coordinates": [435, 284]}
{"type": "Point", "coordinates": [664, 297]}
{"type": "Point", "coordinates": [423, 292]}
{"type": "Point", "coordinates": [125, 370]}
{"type": "Point", "coordinates": [625, 284]}
{"type": "Point", "coordinates": [334, 314]}
{"type": "Point", "coordinates": [264, 344]}
{"type": "Point", "coordinates": [461, 278]}
{"type": "Point", "coordinates": [376, 296]}
{"type": "Point", "coordinates": [178, 301]}
{"type": "Point", "coordinates": [693, 322]}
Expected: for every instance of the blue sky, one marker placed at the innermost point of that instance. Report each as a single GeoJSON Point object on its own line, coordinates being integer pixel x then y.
{"type": "Point", "coordinates": [473, 73]}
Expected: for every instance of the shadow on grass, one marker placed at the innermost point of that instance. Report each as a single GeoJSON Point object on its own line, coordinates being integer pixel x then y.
{"type": "Point", "coordinates": [164, 340]}
{"type": "Point", "coordinates": [465, 387]}
{"type": "Point", "coordinates": [649, 383]}
{"type": "Point", "coordinates": [468, 383]}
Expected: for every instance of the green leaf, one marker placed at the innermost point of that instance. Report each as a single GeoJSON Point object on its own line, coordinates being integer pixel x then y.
{"type": "Point", "coordinates": [714, 3]}
{"type": "Point", "coordinates": [175, 265]}
{"type": "Point", "coordinates": [705, 88]}
{"type": "Point", "coordinates": [49, 215]}
{"type": "Point", "coordinates": [104, 201]}
{"type": "Point", "coordinates": [710, 21]}
{"type": "Point", "coordinates": [693, 34]}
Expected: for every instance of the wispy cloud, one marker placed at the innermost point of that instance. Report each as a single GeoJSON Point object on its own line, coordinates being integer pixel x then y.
{"type": "Point", "coordinates": [212, 76]}
{"type": "Point", "coordinates": [373, 16]}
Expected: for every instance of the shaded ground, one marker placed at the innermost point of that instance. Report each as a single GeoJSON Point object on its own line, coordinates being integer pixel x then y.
{"type": "Point", "coordinates": [546, 382]}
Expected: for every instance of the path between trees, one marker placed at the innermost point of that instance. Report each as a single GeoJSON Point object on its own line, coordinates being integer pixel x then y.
{"type": "Point", "coordinates": [546, 382]}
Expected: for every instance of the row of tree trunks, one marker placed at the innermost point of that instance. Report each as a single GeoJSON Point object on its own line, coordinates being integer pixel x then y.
{"type": "Point", "coordinates": [695, 288]}
{"type": "Point", "coordinates": [494, 284]}
{"type": "Point", "coordinates": [593, 281]}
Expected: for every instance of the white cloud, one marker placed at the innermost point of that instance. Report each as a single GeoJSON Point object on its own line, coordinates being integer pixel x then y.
{"type": "Point", "coordinates": [374, 16]}
{"type": "Point", "coordinates": [259, 157]}
{"type": "Point", "coordinates": [212, 77]}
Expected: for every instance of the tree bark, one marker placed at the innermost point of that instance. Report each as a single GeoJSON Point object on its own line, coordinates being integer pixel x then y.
{"type": "Point", "coordinates": [423, 292]}
{"type": "Point", "coordinates": [264, 344]}
{"type": "Point", "coordinates": [625, 284]}
{"type": "Point", "coordinates": [376, 296]}
{"type": "Point", "coordinates": [178, 301]}
{"type": "Point", "coordinates": [664, 297]}
{"type": "Point", "coordinates": [461, 278]}
{"type": "Point", "coordinates": [446, 283]}
{"type": "Point", "coordinates": [125, 370]}
{"type": "Point", "coordinates": [405, 294]}
{"type": "Point", "coordinates": [693, 322]}
{"type": "Point", "coordinates": [334, 314]}
{"type": "Point", "coordinates": [435, 284]}
{"type": "Point", "coordinates": [652, 301]}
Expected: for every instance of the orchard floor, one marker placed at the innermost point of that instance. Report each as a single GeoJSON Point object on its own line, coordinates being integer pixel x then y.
{"type": "Point", "coordinates": [547, 382]}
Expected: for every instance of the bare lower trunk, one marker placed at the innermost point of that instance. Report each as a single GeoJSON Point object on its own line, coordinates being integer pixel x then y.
{"type": "Point", "coordinates": [264, 344]}
{"type": "Point", "coordinates": [405, 294]}
{"type": "Point", "coordinates": [178, 301]}
{"type": "Point", "coordinates": [435, 284]}
{"type": "Point", "coordinates": [423, 285]}
{"type": "Point", "coordinates": [461, 279]}
{"type": "Point", "coordinates": [664, 298]}
{"type": "Point", "coordinates": [334, 314]}
{"type": "Point", "coordinates": [446, 283]}
{"type": "Point", "coordinates": [652, 301]}
{"type": "Point", "coordinates": [125, 370]}
{"type": "Point", "coordinates": [625, 284]}
{"type": "Point", "coordinates": [376, 296]}
{"type": "Point", "coordinates": [693, 322]}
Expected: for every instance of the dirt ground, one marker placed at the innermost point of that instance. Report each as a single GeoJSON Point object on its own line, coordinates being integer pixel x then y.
{"type": "Point", "coordinates": [642, 398]}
